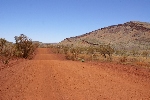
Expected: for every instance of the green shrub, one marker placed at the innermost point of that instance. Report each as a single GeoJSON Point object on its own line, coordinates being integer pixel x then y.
{"type": "Point", "coordinates": [145, 54]}
{"type": "Point", "coordinates": [24, 46]}
{"type": "Point", "coordinates": [105, 50]}
{"type": "Point", "coordinates": [6, 51]}
{"type": "Point", "coordinates": [2, 44]}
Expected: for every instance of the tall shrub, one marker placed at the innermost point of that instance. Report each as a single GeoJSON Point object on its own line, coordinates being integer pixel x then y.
{"type": "Point", "coordinates": [24, 46]}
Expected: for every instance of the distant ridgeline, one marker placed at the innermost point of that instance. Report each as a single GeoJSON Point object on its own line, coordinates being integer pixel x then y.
{"type": "Point", "coordinates": [133, 34]}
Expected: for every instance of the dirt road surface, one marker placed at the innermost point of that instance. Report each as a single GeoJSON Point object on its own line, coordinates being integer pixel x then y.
{"type": "Point", "coordinates": [50, 77]}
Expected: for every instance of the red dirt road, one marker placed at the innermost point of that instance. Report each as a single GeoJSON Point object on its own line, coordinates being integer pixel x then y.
{"type": "Point", "coordinates": [50, 77]}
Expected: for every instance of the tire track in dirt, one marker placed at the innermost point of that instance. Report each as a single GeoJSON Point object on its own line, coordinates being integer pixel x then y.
{"type": "Point", "coordinates": [49, 77]}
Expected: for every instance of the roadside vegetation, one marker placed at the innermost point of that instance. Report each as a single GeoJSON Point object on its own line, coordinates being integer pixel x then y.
{"type": "Point", "coordinates": [86, 53]}
{"type": "Point", "coordinates": [104, 53]}
{"type": "Point", "coordinates": [22, 48]}
{"type": "Point", "coordinates": [25, 48]}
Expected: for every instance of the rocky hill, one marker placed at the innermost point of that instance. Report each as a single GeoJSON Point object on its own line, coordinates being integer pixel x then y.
{"type": "Point", "coordinates": [129, 35]}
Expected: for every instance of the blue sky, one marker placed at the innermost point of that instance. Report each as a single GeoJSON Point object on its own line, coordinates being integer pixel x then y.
{"type": "Point", "coordinates": [51, 21]}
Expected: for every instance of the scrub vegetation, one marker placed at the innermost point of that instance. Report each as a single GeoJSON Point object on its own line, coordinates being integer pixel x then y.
{"type": "Point", "coordinates": [22, 48]}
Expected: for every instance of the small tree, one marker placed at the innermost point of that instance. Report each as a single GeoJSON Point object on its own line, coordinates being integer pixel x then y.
{"type": "Point", "coordinates": [24, 46]}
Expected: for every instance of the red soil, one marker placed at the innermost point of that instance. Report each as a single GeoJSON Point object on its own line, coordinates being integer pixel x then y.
{"type": "Point", "coordinates": [50, 77]}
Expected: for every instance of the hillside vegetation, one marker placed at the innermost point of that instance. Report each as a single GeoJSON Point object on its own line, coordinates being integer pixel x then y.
{"type": "Point", "coordinates": [125, 43]}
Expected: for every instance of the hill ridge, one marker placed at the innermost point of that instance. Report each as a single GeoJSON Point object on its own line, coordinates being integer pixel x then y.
{"type": "Point", "coordinates": [132, 33]}
{"type": "Point", "coordinates": [131, 23]}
